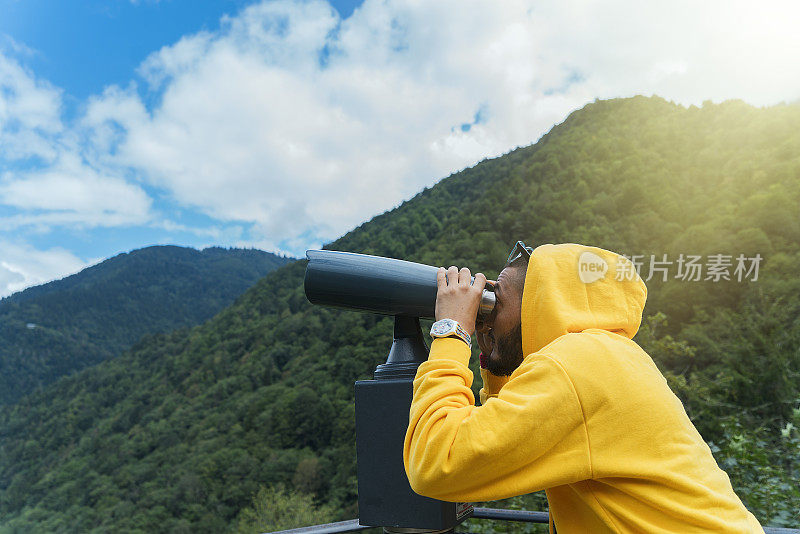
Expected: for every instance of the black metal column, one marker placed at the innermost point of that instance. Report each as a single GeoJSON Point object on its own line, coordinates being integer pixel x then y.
{"type": "Point", "coordinates": [385, 497]}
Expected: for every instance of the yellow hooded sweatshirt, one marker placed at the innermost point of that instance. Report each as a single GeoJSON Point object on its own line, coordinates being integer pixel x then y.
{"type": "Point", "coordinates": [587, 416]}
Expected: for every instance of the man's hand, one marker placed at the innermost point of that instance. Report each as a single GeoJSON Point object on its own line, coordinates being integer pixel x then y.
{"type": "Point", "coordinates": [457, 298]}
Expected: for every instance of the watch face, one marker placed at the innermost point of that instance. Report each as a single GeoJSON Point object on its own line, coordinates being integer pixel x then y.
{"type": "Point", "coordinates": [442, 327]}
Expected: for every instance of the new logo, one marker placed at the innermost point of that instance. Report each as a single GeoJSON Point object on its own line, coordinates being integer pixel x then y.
{"type": "Point", "coordinates": [591, 267]}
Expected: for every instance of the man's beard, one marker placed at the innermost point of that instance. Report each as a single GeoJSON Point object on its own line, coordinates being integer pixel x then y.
{"type": "Point", "coordinates": [509, 353]}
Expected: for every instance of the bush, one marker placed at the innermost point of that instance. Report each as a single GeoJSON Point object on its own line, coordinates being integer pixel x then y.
{"type": "Point", "coordinates": [276, 509]}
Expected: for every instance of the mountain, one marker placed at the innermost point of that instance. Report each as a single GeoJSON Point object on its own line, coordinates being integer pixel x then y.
{"type": "Point", "coordinates": [57, 328]}
{"type": "Point", "coordinates": [180, 432]}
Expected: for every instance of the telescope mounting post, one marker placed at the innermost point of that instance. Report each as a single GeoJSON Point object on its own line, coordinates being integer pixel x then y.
{"type": "Point", "coordinates": [385, 497]}
{"type": "Point", "coordinates": [407, 352]}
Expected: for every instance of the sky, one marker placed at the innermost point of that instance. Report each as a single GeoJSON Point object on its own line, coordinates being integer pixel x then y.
{"type": "Point", "coordinates": [283, 124]}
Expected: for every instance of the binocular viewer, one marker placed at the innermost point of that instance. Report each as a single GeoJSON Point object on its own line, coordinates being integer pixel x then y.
{"type": "Point", "coordinates": [375, 284]}
{"type": "Point", "coordinates": [408, 291]}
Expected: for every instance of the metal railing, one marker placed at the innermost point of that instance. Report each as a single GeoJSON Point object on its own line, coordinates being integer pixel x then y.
{"type": "Point", "coordinates": [523, 516]}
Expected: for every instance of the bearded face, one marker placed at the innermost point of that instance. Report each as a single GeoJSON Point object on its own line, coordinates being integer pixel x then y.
{"type": "Point", "coordinates": [507, 354]}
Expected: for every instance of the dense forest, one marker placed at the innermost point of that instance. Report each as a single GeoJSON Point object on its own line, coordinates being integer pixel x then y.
{"type": "Point", "coordinates": [247, 420]}
{"type": "Point", "coordinates": [57, 328]}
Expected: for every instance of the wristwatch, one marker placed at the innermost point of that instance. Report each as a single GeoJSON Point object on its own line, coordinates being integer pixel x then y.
{"type": "Point", "coordinates": [450, 328]}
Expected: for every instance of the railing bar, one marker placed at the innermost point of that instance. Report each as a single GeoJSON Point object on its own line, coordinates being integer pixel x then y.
{"type": "Point", "coordinates": [511, 515]}
{"type": "Point", "coordinates": [524, 516]}
{"type": "Point", "coordinates": [350, 525]}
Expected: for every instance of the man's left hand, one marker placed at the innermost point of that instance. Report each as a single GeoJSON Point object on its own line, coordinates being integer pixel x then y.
{"type": "Point", "coordinates": [457, 297]}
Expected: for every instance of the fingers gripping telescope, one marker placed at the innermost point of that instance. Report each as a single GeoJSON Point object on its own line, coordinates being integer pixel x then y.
{"type": "Point", "coordinates": [375, 284]}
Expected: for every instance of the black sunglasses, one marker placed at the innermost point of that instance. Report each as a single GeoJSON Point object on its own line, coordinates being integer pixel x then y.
{"type": "Point", "coordinates": [518, 251]}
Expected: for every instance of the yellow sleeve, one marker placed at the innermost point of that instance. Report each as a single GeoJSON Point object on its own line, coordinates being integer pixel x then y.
{"type": "Point", "coordinates": [529, 437]}
{"type": "Point", "coordinates": [492, 384]}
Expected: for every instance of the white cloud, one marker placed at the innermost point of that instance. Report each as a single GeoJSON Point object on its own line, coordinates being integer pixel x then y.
{"type": "Point", "coordinates": [70, 192]}
{"type": "Point", "coordinates": [303, 124]}
{"type": "Point", "coordinates": [22, 265]}
{"type": "Point", "coordinates": [47, 180]}
{"type": "Point", "coordinates": [29, 114]}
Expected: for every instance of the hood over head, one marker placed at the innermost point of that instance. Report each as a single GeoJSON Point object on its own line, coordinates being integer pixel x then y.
{"type": "Point", "coordinates": [571, 288]}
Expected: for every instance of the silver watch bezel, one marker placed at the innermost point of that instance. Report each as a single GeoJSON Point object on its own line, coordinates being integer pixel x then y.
{"type": "Point", "coordinates": [449, 330]}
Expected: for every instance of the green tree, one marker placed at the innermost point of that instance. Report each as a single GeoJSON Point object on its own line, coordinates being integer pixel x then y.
{"type": "Point", "coordinates": [276, 509]}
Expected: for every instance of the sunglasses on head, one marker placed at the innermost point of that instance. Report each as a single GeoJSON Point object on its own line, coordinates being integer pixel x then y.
{"type": "Point", "coordinates": [518, 251]}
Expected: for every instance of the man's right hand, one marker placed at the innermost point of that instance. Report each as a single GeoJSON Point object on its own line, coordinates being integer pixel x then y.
{"type": "Point", "coordinates": [458, 297]}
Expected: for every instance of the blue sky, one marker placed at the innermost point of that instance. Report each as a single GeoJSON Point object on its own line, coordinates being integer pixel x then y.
{"type": "Point", "coordinates": [283, 124]}
{"type": "Point", "coordinates": [83, 46]}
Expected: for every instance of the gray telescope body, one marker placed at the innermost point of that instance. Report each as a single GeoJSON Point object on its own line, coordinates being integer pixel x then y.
{"type": "Point", "coordinates": [375, 284]}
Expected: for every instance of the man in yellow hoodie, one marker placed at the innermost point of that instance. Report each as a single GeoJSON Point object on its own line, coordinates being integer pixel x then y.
{"type": "Point", "coordinates": [570, 404]}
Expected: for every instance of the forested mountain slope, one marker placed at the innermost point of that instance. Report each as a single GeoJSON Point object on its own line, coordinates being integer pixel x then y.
{"type": "Point", "coordinates": [178, 434]}
{"type": "Point", "coordinates": [57, 328]}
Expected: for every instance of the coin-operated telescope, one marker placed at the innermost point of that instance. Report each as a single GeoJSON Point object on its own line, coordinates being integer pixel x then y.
{"type": "Point", "coordinates": [407, 291]}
